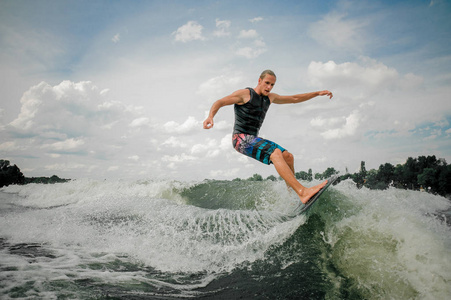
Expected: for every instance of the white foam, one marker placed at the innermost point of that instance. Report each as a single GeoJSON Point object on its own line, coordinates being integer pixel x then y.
{"type": "Point", "coordinates": [133, 218]}
{"type": "Point", "coordinates": [385, 240]}
{"type": "Point", "coordinates": [391, 242]}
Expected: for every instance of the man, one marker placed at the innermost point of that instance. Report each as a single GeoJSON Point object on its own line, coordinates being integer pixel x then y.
{"type": "Point", "coordinates": [250, 107]}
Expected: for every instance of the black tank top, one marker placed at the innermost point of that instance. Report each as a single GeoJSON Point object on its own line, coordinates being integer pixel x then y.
{"type": "Point", "coordinates": [249, 116]}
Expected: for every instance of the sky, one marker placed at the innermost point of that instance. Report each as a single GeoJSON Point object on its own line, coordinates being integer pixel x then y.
{"type": "Point", "coordinates": [119, 89]}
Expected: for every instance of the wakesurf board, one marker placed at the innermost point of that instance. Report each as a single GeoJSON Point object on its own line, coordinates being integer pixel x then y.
{"type": "Point", "coordinates": [303, 208]}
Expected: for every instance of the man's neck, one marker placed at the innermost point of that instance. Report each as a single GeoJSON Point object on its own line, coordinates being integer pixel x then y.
{"type": "Point", "coordinates": [258, 91]}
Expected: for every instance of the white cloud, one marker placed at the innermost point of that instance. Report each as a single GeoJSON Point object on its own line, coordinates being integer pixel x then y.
{"type": "Point", "coordinates": [65, 166]}
{"type": "Point", "coordinates": [67, 110]}
{"type": "Point", "coordinates": [212, 148]}
{"type": "Point", "coordinates": [219, 86]}
{"type": "Point", "coordinates": [321, 122]}
{"type": "Point", "coordinates": [250, 52]}
{"type": "Point", "coordinates": [248, 34]}
{"type": "Point", "coordinates": [227, 173]}
{"type": "Point", "coordinates": [204, 147]}
{"type": "Point", "coordinates": [350, 127]}
{"type": "Point", "coordinates": [365, 76]}
{"type": "Point", "coordinates": [139, 122]}
{"type": "Point", "coordinates": [334, 30]}
{"type": "Point", "coordinates": [256, 20]}
{"type": "Point", "coordinates": [9, 146]}
{"type": "Point", "coordinates": [191, 124]}
{"type": "Point", "coordinates": [116, 38]}
{"type": "Point", "coordinates": [67, 145]}
{"type": "Point", "coordinates": [30, 106]}
{"type": "Point", "coordinates": [253, 50]}
{"type": "Point", "coordinates": [63, 122]}
{"type": "Point", "coordinates": [317, 122]}
{"type": "Point", "coordinates": [223, 125]}
{"type": "Point", "coordinates": [174, 142]}
{"type": "Point", "coordinates": [222, 28]}
{"type": "Point", "coordinates": [178, 158]}
{"type": "Point", "coordinates": [260, 43]}
{"type": "Point", "coordinates": [379, 102]}
{"type": "Point", "coordinates": [191, 31]}
{"type": "Point", "coordinates": [429, 138]}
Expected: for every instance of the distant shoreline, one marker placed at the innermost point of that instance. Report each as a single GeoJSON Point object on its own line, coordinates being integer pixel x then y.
{"type": "Point", "coordinates": [427, 174]}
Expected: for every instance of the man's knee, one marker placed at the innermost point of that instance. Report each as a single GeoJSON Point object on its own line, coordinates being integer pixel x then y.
{"type": "Point", "coordinates": [288, 157]}
{"type": "Point", "coordinates": [276, 155]}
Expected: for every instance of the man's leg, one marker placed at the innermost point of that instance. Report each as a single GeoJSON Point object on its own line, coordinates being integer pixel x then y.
{"type": "Point", "coordinates": [285, 168]}
{"type": "Point", "coordinates": [289, 159]}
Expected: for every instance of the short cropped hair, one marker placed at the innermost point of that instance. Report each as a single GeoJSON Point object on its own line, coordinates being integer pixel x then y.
{"type": "Point", "coordinates": [267, 72]}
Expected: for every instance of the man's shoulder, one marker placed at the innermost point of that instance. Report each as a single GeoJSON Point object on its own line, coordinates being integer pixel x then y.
{"type": "Point", "coordinates": [272, 96]}
{"type": "Point", "coordinates": [243, 94]}
{"type": "Point", "coordinates": [243, 91]}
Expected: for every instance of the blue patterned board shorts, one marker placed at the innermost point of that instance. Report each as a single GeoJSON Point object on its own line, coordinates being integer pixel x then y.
{"type": "Point", "coordinates": [255, 147]}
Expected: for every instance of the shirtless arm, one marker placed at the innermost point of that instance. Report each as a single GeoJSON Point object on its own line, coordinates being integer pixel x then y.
{"type": "Point", "coordinates": [238, 97]}
{"type": "Point", "coordinates": [275, 98]}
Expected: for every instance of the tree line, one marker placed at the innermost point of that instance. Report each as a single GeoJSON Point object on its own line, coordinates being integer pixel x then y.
{"type": "Point", "coordinates": [425, 172]}
{"type": "Point", "coordinates": [12, 175]}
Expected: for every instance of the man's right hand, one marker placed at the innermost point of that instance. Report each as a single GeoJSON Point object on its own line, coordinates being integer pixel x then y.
{"type": "Point", "coordinates": [208, 123]}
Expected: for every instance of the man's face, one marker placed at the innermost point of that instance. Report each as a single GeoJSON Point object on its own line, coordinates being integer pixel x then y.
{"type": "Point", "coordinates": [266, 84]}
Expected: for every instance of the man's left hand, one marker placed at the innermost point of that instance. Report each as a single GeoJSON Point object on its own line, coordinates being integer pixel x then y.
{"type": "Point", "coordinates": [326, 93]}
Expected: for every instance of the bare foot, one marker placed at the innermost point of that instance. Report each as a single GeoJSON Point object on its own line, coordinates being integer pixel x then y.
{"type": "Point", "coordinates": [308, 193]}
